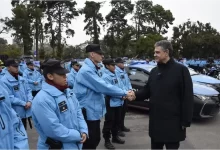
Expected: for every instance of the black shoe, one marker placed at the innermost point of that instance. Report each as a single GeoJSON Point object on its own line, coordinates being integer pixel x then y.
{"type": "Point", "coordinates": [109, 145]}
{"type": "Point", "coordinates": [117, 140]}
{"type": "Point", "coordinates": [126, 129]}
{"type": "Point", "coordinates": [121, 134]}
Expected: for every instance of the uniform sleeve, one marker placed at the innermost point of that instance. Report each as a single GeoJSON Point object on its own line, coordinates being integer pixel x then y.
{"type": "Point", "coordinates": [14, 100]}
{"type": "Point", "coordinates": [109, 81]}
{"type": "Point", "coordinates": [20, 135]}
{"type": "Point", "coordinates": [81, 120]}
{"type": "Point", "coordinates": [128, 82]}
{"type": "Point", "coordinates": [29, 92]}
{"type": "Point", "coordinates": [187, 99]}
{"type": "Point", "coordinates": [70, 80]}
{"type": "Point", "coordinates": [25, 76]}
{"type": "Point", "coordinates": [94, 82]}
{"type": "Point", "coordinates": [51, 126]}
{"type": "Point", "coordinates": [39, 80]}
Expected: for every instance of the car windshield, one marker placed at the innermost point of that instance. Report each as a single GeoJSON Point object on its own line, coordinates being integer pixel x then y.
{"type": "Point", "coordinates": [192, 72]}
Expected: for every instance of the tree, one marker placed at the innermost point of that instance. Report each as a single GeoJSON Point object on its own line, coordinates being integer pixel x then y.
{"type": "Point", "coordinates": [3, 28]}
{"type": "Point", "coordinates": [117, 23]}
{"type": "Point", "coordinates": [12, 51]}
{"type": "Point", "coordinates": [141, 17]}
{"type": "Point", "coordinates": [196, 39]}
{"type": "Point", "coordinates": [21, 24]}
{"type": "Point", "coordinates": [93, 19]}
{"type": "Point", "coordinates": [145, 45]}
{"type": "Point", "coordinates": [160, 19]}
{"type": "Point", "coordinates": [3, 41]}
{"type": "Point", "coordinates": [61, 13]}
{"type": "Point", "coordinates": [37, 9]}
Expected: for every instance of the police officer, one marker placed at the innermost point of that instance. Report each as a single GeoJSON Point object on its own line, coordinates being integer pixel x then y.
{"type": "Point", "coordinates": [33, 77]}
{"type": "Point", "coordinates": [89, 89]}
{"type": "Point", "coordinates": [12, 132]}
{"type": "Point", "coordinates": [123, 77]}
{"type": "Point", "coordinates": [22, 66]}
{"type": "Point", "coordinates": [75, 66]}
{"type": "Point", "coordinates": [2, 71]}
{"type": "Point", "coordinates": [19, 90]}
{"type": "Point", "coordinates": [113, 106]}
{"type": "Point", "coordinates": [62, 124]}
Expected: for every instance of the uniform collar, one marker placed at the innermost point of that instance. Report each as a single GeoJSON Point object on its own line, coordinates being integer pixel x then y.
{"type": "Point", "coordinates": [30, 69]}
{"type": "Point", "coordinates": [11, 78]}
{"type": "Point", "coordinates": [73, 71]}
{"type": "Point", "coordinates": [51, 89]}
{"type": "Point", "coordinates": [90, 64]}
{"type": "Point", "coordinates": [109, 72]}
{"type": "Point", "coordinates": [119, 69]}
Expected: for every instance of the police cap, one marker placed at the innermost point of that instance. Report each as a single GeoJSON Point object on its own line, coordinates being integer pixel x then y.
{"type": "Point", "coordinates": [29, 63]}
{"type": "Point", "coordinates": [53, 66]}
{"type": "Point", "coordinates": [11, 62]}
{"type": "Point", "coordinates": [119, 60]}
{"type": "Point", "coordinates": [74, 63]}
{"type": "Point", "coordinates": [94, 48]}
{"type": "Point", "coordinates": [108, 61]}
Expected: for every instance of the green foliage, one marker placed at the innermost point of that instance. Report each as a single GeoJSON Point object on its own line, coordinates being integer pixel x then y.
{"type": "Point", "coordinates": [61, 13]}
{"type": "Point", "coordinates": [93, 19]}
{"type": "Point", "coordinates": [196, 39]}
{"type": "Point", "coordinates": [21, 24]}
{"type": "Point", "coordinates": [12, 51]}
{"type": "Point", "coordinates": [119, 32]}
{"type": "Point", "coordinates": [145, 45]}
{"type": "Point", "coordinates": [3, 41]}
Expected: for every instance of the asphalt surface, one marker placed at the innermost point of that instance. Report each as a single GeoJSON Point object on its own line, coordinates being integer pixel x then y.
{"type": "Point", "coordinates": [203, 134]}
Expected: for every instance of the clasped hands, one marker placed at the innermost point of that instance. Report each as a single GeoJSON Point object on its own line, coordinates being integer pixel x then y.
{"type": "Point", "coordinates": [130, 96]}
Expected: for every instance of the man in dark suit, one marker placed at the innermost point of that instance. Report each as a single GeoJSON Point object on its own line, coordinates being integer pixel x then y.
{"type": "Point", "coordinates": [170, 91]}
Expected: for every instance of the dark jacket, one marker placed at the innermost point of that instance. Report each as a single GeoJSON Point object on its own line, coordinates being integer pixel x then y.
{"type": "Point", "coordinates": [170, 91]}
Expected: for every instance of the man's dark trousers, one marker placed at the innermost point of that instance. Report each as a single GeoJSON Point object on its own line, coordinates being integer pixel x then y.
{"type": "Point", "coordinates": [168, 145]}
{"type": "Point", "coordinates": [94, 134]}
{"type": "Point", "coordinates": [112, 121]}
{"type": "Point", "coordinates": [123, 113]}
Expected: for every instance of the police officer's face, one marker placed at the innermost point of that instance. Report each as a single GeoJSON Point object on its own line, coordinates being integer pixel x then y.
{"type": "Point", "coordinates": [160, 55]}
{"type": "Point", "coordinates": [111, 68]}
{"type": "Point", "coordinates": [31, 66]}
{"type": "Point", "coordinates": [76, 67]}
{"type": "Point", "coordinates": [97, 57]}
{"type": "Point", "coordinates": [58, 79]}
{"type": "Point", "coordinates": [121, 65]}
{"type": "Point", "coordinates": [13, 69]}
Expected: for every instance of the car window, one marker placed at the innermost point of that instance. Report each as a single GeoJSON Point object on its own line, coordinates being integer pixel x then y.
{"type": "Point", "coordinates": [138, 75]}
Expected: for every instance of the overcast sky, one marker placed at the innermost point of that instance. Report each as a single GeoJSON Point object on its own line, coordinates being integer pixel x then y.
{"type": "Point", "coordinates": [202, 10]}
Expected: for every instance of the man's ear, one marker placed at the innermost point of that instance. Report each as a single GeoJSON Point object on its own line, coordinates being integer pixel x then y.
{"type": "Point", "coordinates": [50, 76]}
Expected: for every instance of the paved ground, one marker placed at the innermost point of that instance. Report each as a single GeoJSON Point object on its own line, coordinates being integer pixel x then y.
{"type": "Point", "coordinates": [204, 134]}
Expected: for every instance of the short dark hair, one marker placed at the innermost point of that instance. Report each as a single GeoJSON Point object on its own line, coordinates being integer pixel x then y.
{"type": "Point", "coordinates": [166, 45]}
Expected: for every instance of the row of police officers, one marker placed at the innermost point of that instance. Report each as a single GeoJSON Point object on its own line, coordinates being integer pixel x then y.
{"type": "Point", "coordinates": [66, 111]}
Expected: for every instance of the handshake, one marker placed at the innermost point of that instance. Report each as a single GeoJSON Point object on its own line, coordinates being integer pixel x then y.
{"type": "Point", "coordinates": [130, 96]}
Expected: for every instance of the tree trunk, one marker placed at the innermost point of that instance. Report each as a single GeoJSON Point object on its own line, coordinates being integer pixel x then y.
{"type": "Point", "coordinates": [96, 36]}
{"type": "Point", "coordinates": [59, 47]}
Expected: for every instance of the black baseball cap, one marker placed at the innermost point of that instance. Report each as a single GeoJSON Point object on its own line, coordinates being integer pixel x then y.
{"type": "Point", "coordinates": [94, 48]}
{"type": "Point", "coordinates": [29, 63]}
{"type": "Point", "coordinates": [108, 61]}
{"type": "Point", "coordinates": [53, 66]}
{"type": "Point", "coordinates": [119, 60]}
{"type": "Point", "coordinates": [11, 62]}
{"type": "Point", "coordinates": [74, 63]}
